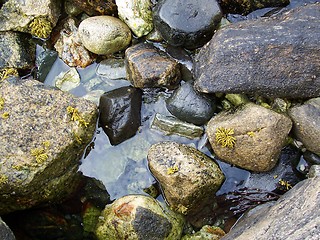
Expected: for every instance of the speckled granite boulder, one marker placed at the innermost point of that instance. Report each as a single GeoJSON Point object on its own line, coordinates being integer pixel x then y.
{"type": "Point", "coordinates": [186, 175]}
{"type": "Point", "coordinates": [43, 132]}
{"type": "Point", "coordinates": [250, 138]}
{"type": "Point", "coordinates": [37, 17]}
{"type": "Point", "coordinates": [306, 122]}
{"type": "Point", "coordinates": [138, 217]}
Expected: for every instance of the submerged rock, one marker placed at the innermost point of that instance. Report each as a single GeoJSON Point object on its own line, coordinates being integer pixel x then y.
{"type": "Point", "coordinates": [70, 47]}
{"type": "Point", "coordinates": [44, 132]}
{"type": "Point", "coordinates": [112, 69]}
{"type": "Point", "coordinates": [5, 231]}
{"type": "Point", "coordinates": [35, 17]}
{"type": "Point", "coordinates": [294, 216]}
{"type": "Point", "coordinates": [250, 138]}
{"type": "Point", "coordinates": [44, 62]}
{"type": "Point", "coordinates": [137, 14]}
{"type": "Point", "coordinates": [104, 34]}
{"type": "Point", "coordinates": [187, 23]}
{"type": "Point", "coordinates": [190, 106]}
{"type": "Point", "coordinates": [306, 124]}
{"type": "Point", "coordinates": [139, 217]}
{"type": "Point", "coordinates": [120, 113]}
{"type": "Point", "coordinates": [68, 80]}
{"type": "Point", "coordinates": [149, 67]}
{"type": "Point", "coordinates": [16, 51]}
{"type": "Point", "coordinates": [187, 176]}
{"type": "Point", "coordinates": [269, 56]}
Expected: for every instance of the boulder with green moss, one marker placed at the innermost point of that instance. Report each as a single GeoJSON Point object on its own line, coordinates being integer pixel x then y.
{"type": "Point", "coordinates": [35, 17]}
{"type": "Point", "coordinates": [43, 132]}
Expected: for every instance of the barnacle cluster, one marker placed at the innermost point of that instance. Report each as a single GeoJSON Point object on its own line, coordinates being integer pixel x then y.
{"type": "Point", "coordinates": [224, 137]}
{"type": "Point", "coordinates": [76, 117]}
{"type": "Point", "coordinates": [41, 154]}
{"type": "Point", "coordinates": [6, 72]}
{"type": "Point", "coordinates": [172, 170]}
{"type": "Point", "coordinates": [40, 27]}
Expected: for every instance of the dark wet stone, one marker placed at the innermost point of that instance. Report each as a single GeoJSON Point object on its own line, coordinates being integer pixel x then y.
{"type": "Point", "coordinates": [270, 57]}
{"type": "Point", "coordinates": [187, 23]}
{"type": "Point", "coordinates": [246, 6]}
{"type": "Point", "coordinates": [149, 67]}
{"type": "Point", "coordinates": [5, 231]}
{"type": "Point", "coordinates": [190, 106]}
{"type": "Point", "coordinates": [44, 63]}
{"type": "Point", "coordinates": [149, 225]}
{"type": "Point", "coordinates": [16, 51]}
{"type": "Point", "coordinates": [120, 113]}
{"type": "Point", "coordinates": [311, 158]}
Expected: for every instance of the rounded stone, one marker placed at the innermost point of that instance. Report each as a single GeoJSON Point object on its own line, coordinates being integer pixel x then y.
{"type": "Point", "coordinates": [104, 34]}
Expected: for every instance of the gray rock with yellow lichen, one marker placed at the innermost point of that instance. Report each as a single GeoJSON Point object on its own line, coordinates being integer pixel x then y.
{"type": "Point", "coordinates": [138, 217]}
{"type": "Point", "coordinates": [187, 176]}
{"type": "Point", "coordinates": [43, 132]}
{"type": "Point", "coordinates": [35, 17]}
{"type": "Point", "coordinates": [250, 138]}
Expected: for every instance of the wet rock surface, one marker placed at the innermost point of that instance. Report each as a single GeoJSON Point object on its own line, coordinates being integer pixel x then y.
{"type": "Point", "coordinates": [120, 113]}
{"type": "Point", "coordinates": [188, 23]}
{"type": "Point", "coordinates": [272, 57]}
{"type": "Point", "coordinates": [104, 34]}
{"type": "Point", "coordinates": [16, 51]}
{"type": "Point", "coordinates": [190, 106]}
{"type": "Point", "coordinates": [96, 7]}
{"type": "Point", "coordinates": [138, 217]}
{"type": "Point", "coordinates": [53, 128]}
{"type": "Point", "coordinates": [306, 122]}
{"type": "Point", "coordinates": [149, 67]}
{"type": "Point", "coordinates": [186, 175]}
{"type": "Point", "coordinates": [44, 62]}
{"type": "Point", "coordinates": [294, 216]}
{"type": "Point", "coordinates": [251, 138]}
{"type": "Point", "coordinates": [5, 232]}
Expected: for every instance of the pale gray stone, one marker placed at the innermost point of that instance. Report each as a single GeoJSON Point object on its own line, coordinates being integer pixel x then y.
{"type": "Point", "coordinates": [5, 231]}
{"type": "Point", "coordinates": [68, 80]}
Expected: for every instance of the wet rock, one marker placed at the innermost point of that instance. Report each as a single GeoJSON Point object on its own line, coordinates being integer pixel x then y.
{"type": "Point", "coordinates": [149, 67]}
{"type": "Point", "coordinates": [16, 51]}
{"type": "Point", "coordinates": [70, 47]}
{"type": "Point", "coordinates": [306, 122]}
{"type": "Point", "coordinates": [44, 132]}
{"type": "Point", "coordinates": [294, 216]}
{"type": "Point", "coordinates": [104, 34]}
{"type": "Point", "coordinates": [137, 14]}
{"type": "Point", "coordinates": [314, 171]}
{"type": "Point", "coordinates": [188, 23]}
{"type": "Point", "coordinates": [97, 7]}
{"type": "Point", "coordinates": [250, 138]}
{"type": "Point", "coordinates": [34, 17]}
{"type": "Point", "coordinates": [187, 176]}
{"type": "Point", "coordinates": [120, 113]}
{"type": "Point", "coordinates": [71, 8]}
{"type": "Point", "coordinates": [171, 125]}
{"type": "Point", "coordinates": [112, 69]}
{"type": "Point", "coordinates": [206, 232]}
{"type": "Point", "coordinates": [190, 106]}
{"type": "Point", "coordinates": [280, 62]}
{"type": "Point", "coordinates": [246, 6]}
{"type": "Point", "coordinates": [68, 80]}
{"type": "Point", "coordinates": [44, 62]}
{"type": "Point", "coordinates": [5, 231]}
{"type": "Point", "coordinates": [138, 217]}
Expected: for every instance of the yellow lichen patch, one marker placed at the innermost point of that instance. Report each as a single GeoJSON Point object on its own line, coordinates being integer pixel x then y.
{"type": "Point", "coordinates": [1, 103]}
{"type": "Point", "coordinates": [5, 115]}
{"type": "Point", "coordinates": [285, 184]}
{"type": "Point", "coordinates": [46, 144]}
{"type": "Point", "coordinates": [76, 117]}
{"type": "Point", "coordinates": [250, 134]}
{"type": "Point", "coordinates": [172, 170]}
{"type": "Point", "coordinates": [182, 209]}
{"type": "Point", "coordinates": [6, 72]}
{"type": "Point", "coordinates": [3, 179]}
{"type": "Point", "coordinates": [77, 138]}
{"type": "Point", "coordinates": [224, 137]}
{"type": "Point", "coordinates": [41, 154]}
{"type": "Point", "coordinates": [40, 27]}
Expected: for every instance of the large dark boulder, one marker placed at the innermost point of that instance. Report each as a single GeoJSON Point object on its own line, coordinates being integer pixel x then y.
{"type": "Point", "coordinates": [275, 57]}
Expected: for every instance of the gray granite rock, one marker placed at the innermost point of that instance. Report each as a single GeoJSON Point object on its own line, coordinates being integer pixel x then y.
{"type": "Point", "coordinates": [187, 176]}
{"type": "Point", "coordinates": [139, 217]}
{"type": "Point", "coordinates": [251, 137]}
{"type": "Point", "coordinates": [104, 34]}
{"type": "Point", "coordinates": [149, 67]}
{"type": "Point", "coordinates": [35, 17]}
{"type": "Point", "coordinates": [296, 215]}
{"type": "Point", "coordinates": [43, 132]}
{"type": "Point", "coordinates": [306, 124]}
{"type": "Point", "coordinates": [5, 231]}
{"type": "Point", "coordinates": [270, 56]}
{"type": "Point", "coordinates": [16, 51]}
